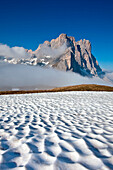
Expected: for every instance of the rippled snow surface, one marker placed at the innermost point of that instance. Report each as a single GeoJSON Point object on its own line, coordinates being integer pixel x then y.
{"type": "Point", "coordinates": [61, 131]}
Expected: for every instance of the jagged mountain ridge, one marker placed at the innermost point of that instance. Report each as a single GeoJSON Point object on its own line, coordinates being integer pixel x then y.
{"type": "Point", "coordinates": [69, 55]}
{"type": "Point", "coordinates": [64, 53]}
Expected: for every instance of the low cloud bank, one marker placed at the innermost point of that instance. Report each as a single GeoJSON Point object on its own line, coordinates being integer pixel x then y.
{"type": "Point", "coordinates": [45, 50]}
{"type": "Point", "coordinates": [109, 75]}
{"type": "Point", "coordinates": [21, 53]}
{"type": "Point", "coordinates": [30, 77]}
{"type": "Point", "coordinates": [14, 52]}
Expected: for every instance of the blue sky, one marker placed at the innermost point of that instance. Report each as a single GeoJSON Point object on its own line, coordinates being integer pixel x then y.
{"type": "Point", "coordinates": [28, 23]}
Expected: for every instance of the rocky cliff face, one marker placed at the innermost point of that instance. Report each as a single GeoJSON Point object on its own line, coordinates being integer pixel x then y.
{"type": "Point", "coordinates": [64, 53]}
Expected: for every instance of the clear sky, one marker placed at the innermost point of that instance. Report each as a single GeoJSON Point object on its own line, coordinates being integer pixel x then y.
{"type": "Point", "coordinates": [28, 23]}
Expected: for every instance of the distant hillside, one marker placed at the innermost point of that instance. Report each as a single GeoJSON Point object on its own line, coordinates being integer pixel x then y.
{"type": "Point", "coordinates": [83, 87]}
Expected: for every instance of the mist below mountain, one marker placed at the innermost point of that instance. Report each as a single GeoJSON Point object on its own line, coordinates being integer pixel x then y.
{"type": "Point", "coordinates": [14, 77]}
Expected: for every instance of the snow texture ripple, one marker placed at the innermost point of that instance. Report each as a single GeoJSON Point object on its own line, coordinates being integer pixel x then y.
{"type": "Point", "coordinates": [56, 131]}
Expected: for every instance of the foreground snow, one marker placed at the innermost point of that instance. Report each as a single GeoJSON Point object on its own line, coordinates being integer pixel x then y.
{"type": "Point", "coordinates": [71, 130]}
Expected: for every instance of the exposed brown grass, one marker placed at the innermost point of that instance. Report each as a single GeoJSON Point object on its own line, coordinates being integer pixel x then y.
{"type": "Point", "coordinates": [83, 87]}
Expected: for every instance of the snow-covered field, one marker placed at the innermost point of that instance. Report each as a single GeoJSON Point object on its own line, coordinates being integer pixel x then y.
{"type": "Point", "coordinates": [61, 131]}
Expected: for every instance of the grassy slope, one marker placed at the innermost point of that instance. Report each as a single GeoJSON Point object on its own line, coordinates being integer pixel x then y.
{"type": "Point", "coordinates": [83, 87]}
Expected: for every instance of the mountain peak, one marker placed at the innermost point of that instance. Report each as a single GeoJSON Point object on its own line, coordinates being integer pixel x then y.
{"type": "Point", "coordinates": [64, 53]}
{"type": "Point", "coordinates": [67, 54]}
{"type": "Point", "coordinates": [63, 35]}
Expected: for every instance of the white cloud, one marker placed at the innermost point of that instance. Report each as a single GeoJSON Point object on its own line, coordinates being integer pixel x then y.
{"type": "Point", "coordinates": [109, 75]}
{"type": "Point", "coordinates": [14, 52]}
{"type": "Point", "coordinates": [24, 76]}
{"type": "Point", "coordinates": [44, 49]}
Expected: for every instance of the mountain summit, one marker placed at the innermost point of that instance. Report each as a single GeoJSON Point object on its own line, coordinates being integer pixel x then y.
{"type": "Point", "coordinates": [64, 53]}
